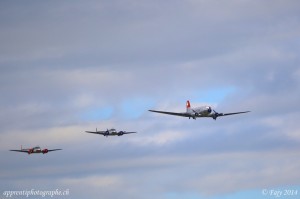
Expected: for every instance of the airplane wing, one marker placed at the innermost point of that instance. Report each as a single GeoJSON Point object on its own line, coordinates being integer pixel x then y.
{"type": "Point", "coordinates": [97, 132]}
{"type": "Point", "coordinates": [20, 151]}
{"type": "Point", "coordinates": [225, 114]}
{"type": "Point", "coordinates": [53, 150]}
{"type": "Point", "coordinates": [172, 113]}
{"type": "Point", "coordinates": [128, 132]}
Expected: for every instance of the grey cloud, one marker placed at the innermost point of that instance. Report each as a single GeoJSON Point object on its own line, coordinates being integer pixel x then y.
{"type": "Point", "coordinates": [112, 32]}
{"type": "Point", "coordinates": [61, 59]}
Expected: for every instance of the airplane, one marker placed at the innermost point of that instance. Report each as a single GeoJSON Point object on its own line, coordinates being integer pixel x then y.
{"type": "Point", "coordinates": [36, 149]}
{"type": "Point", "coordinates": [110, 132]}
{"type": "Point", "coordinates": [204, 111]}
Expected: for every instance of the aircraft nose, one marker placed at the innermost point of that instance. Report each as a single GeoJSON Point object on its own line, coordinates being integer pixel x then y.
{"type": "Point", "coordinates": [209, 110]}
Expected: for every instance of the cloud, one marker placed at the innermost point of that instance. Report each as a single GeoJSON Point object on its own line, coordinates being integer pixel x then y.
{"type": "Point", "coordinates": [69, 67]}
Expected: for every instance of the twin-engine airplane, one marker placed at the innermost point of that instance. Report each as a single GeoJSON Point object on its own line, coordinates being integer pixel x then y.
{"type": "Point", "coordinates": [36, 149]}
{"type": "Point", "coordinates": [110, 132]}
{"type": "Point", "coordinates": [204, 111]}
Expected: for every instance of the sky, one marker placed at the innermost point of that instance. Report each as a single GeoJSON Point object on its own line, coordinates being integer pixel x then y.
{"type": "Point", "coordinates": [72, 66]}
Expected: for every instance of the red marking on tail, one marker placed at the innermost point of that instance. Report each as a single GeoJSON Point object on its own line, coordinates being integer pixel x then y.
{"type": "Point", "coordinates": [188, 105]}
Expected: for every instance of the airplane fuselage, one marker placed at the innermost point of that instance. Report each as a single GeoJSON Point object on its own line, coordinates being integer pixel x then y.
{"type": "Point", "coordinates": [204, 111]}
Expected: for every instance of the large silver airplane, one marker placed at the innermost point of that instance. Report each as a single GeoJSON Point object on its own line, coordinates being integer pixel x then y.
{"type": "Point", "coordinates": [204, 111]}
{"type": "Point", "coordinates": [110, 132]}
{"type": "Point", "coordinates": [36, 149]}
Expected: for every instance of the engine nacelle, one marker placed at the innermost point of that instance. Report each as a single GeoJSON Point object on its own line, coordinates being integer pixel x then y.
{"type": "Point", "coordinates": [45, 151]}
{"type": "Point", "coordinates": [121, 133]}
{"type": "Point", "coordinates": [30, 151]}
{"type": "Point", "coordinates": [195, 114]}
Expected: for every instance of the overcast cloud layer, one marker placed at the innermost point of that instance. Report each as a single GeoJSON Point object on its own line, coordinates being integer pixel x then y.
{"type": "Point", "coordinates": [71, 66]}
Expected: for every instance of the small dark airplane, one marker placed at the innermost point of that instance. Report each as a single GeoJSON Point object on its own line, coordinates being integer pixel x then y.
{"type": "Point", "coordinates": [36, 149]}
{"type": "Point", "coordinates": [110, 132]}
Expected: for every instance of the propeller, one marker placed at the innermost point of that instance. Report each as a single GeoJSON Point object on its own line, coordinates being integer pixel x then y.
{"type": "Point", "coordinates": [45, 151]}
{"type": "Point", "coordinates": [30, 151]}
{"type": "Point", "coordinates": [216, 115]}
{"type": "Point", "coordinates": [196, 114]}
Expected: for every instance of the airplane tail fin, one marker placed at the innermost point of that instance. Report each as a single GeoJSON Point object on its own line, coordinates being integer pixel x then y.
{"type": "Point", "coordinates": [188, 106]}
